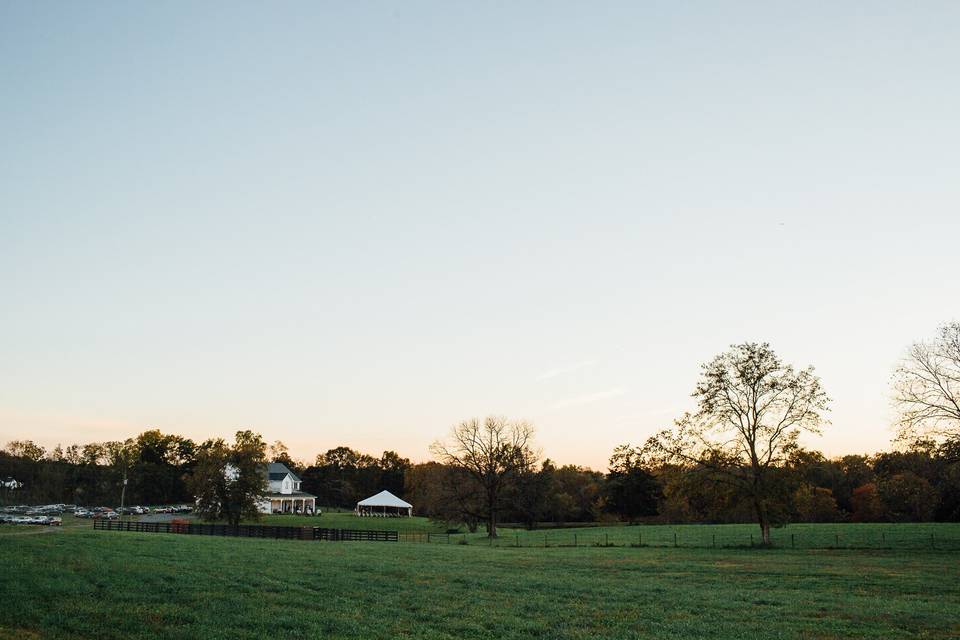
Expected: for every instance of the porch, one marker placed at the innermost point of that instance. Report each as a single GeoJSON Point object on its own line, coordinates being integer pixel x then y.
{"type": "Point", "coordinates": [298, 502]}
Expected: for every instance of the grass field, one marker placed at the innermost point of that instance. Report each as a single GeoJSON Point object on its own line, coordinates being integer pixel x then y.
{"type": "Point", "coordinates": [346, 520]}
{"type": "Point", "coordinates": [801, 536]}
{"type": "Point", "coordinates": [943, 536]}
{"type": "Point", "coordinates": [78, 583]}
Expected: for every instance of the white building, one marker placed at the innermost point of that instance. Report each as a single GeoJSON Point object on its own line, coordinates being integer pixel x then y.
{"type": "Point", "coordinates": [283, 492]}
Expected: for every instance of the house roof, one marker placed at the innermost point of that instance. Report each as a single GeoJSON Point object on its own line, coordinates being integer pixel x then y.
{"type": "Point", "coordinates": [277, 470]}
{"type": "Point", "coordinates": [384, 499]}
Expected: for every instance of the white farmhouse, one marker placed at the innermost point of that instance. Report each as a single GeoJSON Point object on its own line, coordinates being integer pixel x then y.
{"type": "Point", "coordinates": [283, 492]}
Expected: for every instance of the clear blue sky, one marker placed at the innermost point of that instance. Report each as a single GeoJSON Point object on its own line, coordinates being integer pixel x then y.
{"type": "Point", "coordinates": [360, 223]}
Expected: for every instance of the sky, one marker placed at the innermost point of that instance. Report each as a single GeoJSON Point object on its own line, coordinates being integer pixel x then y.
{"type": "Point", "coordinates": [360, 223]}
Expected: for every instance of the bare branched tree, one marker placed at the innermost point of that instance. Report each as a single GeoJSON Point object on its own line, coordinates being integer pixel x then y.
{"type": "Point", "coordinates": [926, 388]}
{"type": "Point", "coordinates": [751, 408]}
{"type": "Point", "coordinates": [491, 454]}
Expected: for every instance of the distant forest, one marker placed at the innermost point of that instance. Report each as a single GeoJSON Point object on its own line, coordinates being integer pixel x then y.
{"type": "Point", "coordinates": [736, 458]}
{"type": "Point", "coordinates": [920, 483]}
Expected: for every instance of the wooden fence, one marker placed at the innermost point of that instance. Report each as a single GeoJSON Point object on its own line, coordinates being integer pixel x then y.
{"type": "Point", "coordinates": [250, 531]}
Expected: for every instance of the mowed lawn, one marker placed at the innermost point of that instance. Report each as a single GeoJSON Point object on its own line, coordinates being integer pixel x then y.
{"type": "Point", "coordinates": [79, 583]}
{"type": "Point", "coordinates": [906, 536]}
{"type": "Point", "coordinates": [346, 520]}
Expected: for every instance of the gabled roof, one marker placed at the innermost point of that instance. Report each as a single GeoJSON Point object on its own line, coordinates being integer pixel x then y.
{"type": "Point", "coordinates": [384, 499]}
{"type": "Point", "coordinates": [277, 470]}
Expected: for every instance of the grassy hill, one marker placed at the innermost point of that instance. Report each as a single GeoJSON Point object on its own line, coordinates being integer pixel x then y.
{"type": "Point", "coordinates": [79, 583]}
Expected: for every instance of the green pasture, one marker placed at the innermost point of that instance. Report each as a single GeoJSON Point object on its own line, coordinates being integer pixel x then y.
{"type": "Point", "coordinates": [918, 536]}
{"type": "Point", "coordinates": [346, 520]}
{"type": "Point", "coordinates": [905, 536]}
{"type": "Point", "coordinates": [79, 583]}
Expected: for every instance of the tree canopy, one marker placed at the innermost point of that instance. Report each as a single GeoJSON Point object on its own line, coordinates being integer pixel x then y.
{"type": "Point", "coordinates": [229, 480]}
{"type": "Point", "coordinates": [751, 409]}
{"type": "Point", "coordinates": [927, 387]}
{"type": "Point", "coordinates": [491, 454]}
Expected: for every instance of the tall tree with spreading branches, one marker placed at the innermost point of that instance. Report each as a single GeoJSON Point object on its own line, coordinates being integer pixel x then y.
{"type": "Point", "coordinates": [491, 455]}
{"type": "Point", "coordinates": [926, 388]}
{"type": "Point", "coordinates": [751, 409]}
{"type": "Point", "coordinates": [228, 481]}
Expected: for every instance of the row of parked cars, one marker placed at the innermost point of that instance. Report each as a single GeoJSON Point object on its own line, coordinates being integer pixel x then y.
{"type": "Point", "coordinates": [136, 510]}
{"type": "Point", "coordinates": [45, 514]}
{"type": "Point", "coordinates": [55, 521]}
{"type": "Point", "coordinates": [183, 508]}
{"type": "Point", "coordinates": [37, 510]}
{"type": "Point", "coordinates": [97, 512]}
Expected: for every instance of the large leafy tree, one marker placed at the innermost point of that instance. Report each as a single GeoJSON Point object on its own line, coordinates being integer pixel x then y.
{"type": "Point", "coordinates": [26, 449]}
{"type": "Point", "coordinates": [926, 387]}
{"type": "Point", "coordinates": [490, 456]}
{"type": "Point", "coordinates": [228, 480]}
{"type": "Point", "coordinates": [279, 452]}
{"type": "Point", "coordinates": [341, 476]}
{"type": "Point", "coordinates": [160, 464]}
{"type": "Point", "coordinates": [751, 409]}
{"type": "Point", "coordinates": [631, 491]}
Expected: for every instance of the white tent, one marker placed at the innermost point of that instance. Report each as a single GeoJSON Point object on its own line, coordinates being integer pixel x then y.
{"type": "Point", "coordinates": [384, 504]}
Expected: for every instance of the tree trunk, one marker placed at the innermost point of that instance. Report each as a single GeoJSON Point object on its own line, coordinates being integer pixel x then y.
{"type": "Point", "coordinates": [492, 511]}
{"type": "Point", "coordinates": [764, 521]}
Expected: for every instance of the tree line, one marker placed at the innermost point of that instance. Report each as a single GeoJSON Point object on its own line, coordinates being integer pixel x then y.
{"type": "Point", "coordinates": [167, 469]}
{"type": "Point", "coordinates": [734, 457]}
{"type": "Point", "coordinates": [918, 483]}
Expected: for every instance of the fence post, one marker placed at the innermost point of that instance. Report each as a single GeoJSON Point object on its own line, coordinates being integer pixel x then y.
{"type": "Point", "coordinates": [751, 539]}
{"type": "Point", "coordinates": [883, 538]}
{"type": "Point", "coordinates": [640, 538]}
{"type": "Point", "coordinates": [428, 536]}
{"type": "Point", "coordinates": [714, 537]}
{"type": "Point", "coordinates": [517, 536]}
{"type": "Point", "coordinates": [606, 539]}
{"type": "Point", "coordinates": [792, 545]}
{"type": "Point", "coordinates": [674, 538]}
{"type": "Point", "coordinates": [575, 540]}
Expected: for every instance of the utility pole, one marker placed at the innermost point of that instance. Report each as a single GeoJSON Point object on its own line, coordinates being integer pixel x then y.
{"type": "Point", "coordinates": [123, 492]}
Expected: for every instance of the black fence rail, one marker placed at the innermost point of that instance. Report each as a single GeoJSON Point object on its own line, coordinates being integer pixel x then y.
{"type": "Point", "coordinates": [946, 540]}
{"type": "Point", "coordinates": [250, 531]}
{"type": "Point", "coordinates": [363, 535]}
{"type": "Point", "coordinates": [429, 537]}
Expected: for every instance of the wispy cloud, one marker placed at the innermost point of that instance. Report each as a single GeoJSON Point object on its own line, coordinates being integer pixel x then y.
{"type": "Point", "coordinates": [645, 416]}
{"type": "Point", "coordinates": [560, 371]}
{"type": "Point", "coordinates": [588, 398]}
